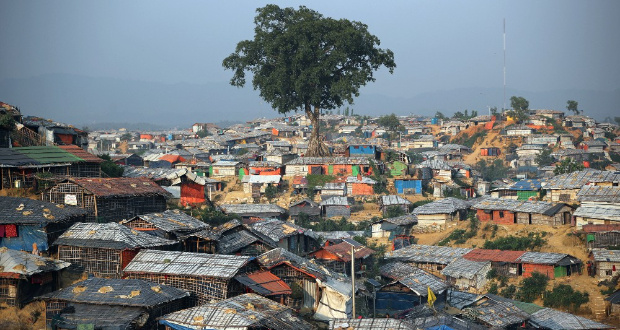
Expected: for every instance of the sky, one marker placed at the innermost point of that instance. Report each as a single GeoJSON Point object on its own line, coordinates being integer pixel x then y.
{"type": "Point", "coordinates": [438, 44]}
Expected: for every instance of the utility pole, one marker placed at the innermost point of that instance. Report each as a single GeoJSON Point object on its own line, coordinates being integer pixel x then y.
{"type": "Point", "coordinates": [353, 278]}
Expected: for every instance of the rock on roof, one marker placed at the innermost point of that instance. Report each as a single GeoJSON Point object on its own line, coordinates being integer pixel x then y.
{"type": "Point", "coordinates": [603, 212]}
{"type": "Point", "coordinates": [27, 264]}
{"type": "Point", "coordinates": [427, 253]}
{"type": "Point", "coordinates": [604, 255]}
{"type": "Point", "coordinates": [26, 211]}
{"type": "Point", "coordinates": [370, 324]}
{"type": "Point", "coordinates": [576, 180]}
{"type": "Point", "coordinates": [126, 292]}
{"type": "Point", "coordinates": [240, 312]}
{"type": "Point", "coordinates": [552, 319]}
{"type": "Point", "coordinates": [108, 235]}
{"type": "Point", "coordinates": [276, 229]}
{"type": "Point", "coordinates": [186, 263]}
{"type": "Point", "coordinates": [600, 194]}
{"type": "Point", "coordinates": [252, 208]}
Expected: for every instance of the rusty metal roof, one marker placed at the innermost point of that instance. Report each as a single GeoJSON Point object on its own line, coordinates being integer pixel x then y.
{"type": "Point", "coordinates": [493, 255]}
{"type": "Point", "coordinates": [113, 187]}
{"type": "Point", "coordinates": [343, 251]}
{"type": "Point", "coordinates": [81, 153]}
{"type": "Point", "coordinates": [264, 283]}
{"type": "Point", "coordinates": [171, 221]}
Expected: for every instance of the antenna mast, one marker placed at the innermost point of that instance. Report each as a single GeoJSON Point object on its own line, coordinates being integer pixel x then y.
{"type": "Point", "coordinates": [504, 65]}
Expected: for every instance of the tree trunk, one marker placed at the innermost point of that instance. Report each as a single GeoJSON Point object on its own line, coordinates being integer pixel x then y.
{"type": "Point", "coordinates": [316, 148]}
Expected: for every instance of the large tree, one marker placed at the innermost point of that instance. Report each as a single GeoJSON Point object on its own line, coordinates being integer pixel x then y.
{"type": "Point", "coordinates": [572, 105]}
{"type": "Point", "coordinates": [302, 61]}
{"type": "Point", "coordinates": [520, 108]}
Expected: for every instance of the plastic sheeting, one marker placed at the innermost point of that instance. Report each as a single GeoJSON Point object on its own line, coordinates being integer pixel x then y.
{"type": "Point", "coordinates": [334, 304]}
{"type": "Point", "coordinates": [27, 236]}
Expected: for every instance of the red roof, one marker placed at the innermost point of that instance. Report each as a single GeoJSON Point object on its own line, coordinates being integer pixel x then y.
{"type": "Point", "coordinates": [493, 255]}
{"type": "Point", "coordinates": [592, 228]}
{"type": "Point", "coordinates": [120, 186]}
{"type": "Point", "coordinates": [343, 251]}
{"type": "Point", "coordinates": [172, 158]}
{"type": "Point", "coordinates": [268, 281]}
{"type": "Point", "coordinates": [79, 152]}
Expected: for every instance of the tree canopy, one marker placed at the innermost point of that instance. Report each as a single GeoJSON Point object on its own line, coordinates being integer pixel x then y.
{"type": "Point", "coordinates": [303, 61]}
{"type": "Point", "coordinates": [390, 122]}
{"type": "Point", "coordinates": [572, 105]}
{"type": "Point", "coordinates": [520, 108]}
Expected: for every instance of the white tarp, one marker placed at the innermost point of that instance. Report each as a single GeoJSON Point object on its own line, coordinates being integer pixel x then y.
{"type": "Point", "coordinates": [335, 300]}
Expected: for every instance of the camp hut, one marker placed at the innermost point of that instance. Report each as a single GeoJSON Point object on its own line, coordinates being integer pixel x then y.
{"type": "Point", "coordinates": [505, 263]}
{"type": "Point", "coordinates": [265, 168]}
{"type": "Point", "coordinates": [128, 159]}
{"type": "Point", "coordinates": [26, 222]}
{"type": "Point", "coordinates": [408, 287]}
{"type": "Point", "coordinates": [104, 249]}
{"type": "Point", "coordinates": [302, 275]}
{"type": "Point", "coordinates": [206, 276]}
{"type": "Point", "coordinates": [286, 235]}
{"type": "Point", "coordinates": [429, 257]}
{"type": "Point", "coordinates": [408, 187]}
{"type": "Point", "coordinates": [338, 257]}
{"type": "Point", "coordinates": [506, 211]}
{"type": "Point", "coordinates": [299, 184]}
{"type": "Point", "coordinates": [265, 284]}
{"type": "Point", "coordinates": [244, 242]}
{"type": "Point", "coordinates": [439, 168]}
{"type": "Point", "coordinates": [257, 184]}
{"type": "Point", "coordinates": [548, 318]}
{"type": "Point", "coordinates": [441, 212]}
{"type": "Point", "coordinates": [333, 189]}
{"type": "Point", "coordinates": [247, 211]}
{"type": "Point", "coordinates": [565, 187]}
{"type": "Point", "coordinates": [369, 324]}
{"type": "Point", "coordinates": [109, 199]}
{"type": "Point", "coordinates": [330, 165]}
{"type": "Point", "coordinates": [111, 304]}
{"type": "Point", "coordinates": [194, 188]}
{"type": "Point", "coordinates": [225, 168]}
{"type": "Point", "coordinates": [552, 265]}
{"type": "Point", "coordinates": [360, 185]}
{"type": "Point", "coordinates": [170, 224]}
{"type": "Point", "coordinates": [304, 206]}
{"type": "Point", "coordinates": [244, 312]}
{"type": "Point", "coordinates": [614, 303]}
{"type": "Point", "coordinates": [602, 236]}
{"type": "Point", "coordinates": [466, 274]}
{"type": "Point", "coordinates": [336, 207]}
{"type": "Point", "coordinates": [597, 215]}
{"type": "Point", "coordinates": [207, 240]}
{"type": "Point", "coordinates": [393, 201]}
{"type": "Point", "coordinates": [24, 275]}
{"type": "Point", "coordinates": [606, 263]}
{"type": "Point", "coordinates": [391, 227]}
{"type": "Point", "coordinates": [496, 312]}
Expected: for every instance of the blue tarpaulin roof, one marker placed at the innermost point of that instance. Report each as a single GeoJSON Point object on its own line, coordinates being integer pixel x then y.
{"type": "Point", "coordinates": [27, 236]}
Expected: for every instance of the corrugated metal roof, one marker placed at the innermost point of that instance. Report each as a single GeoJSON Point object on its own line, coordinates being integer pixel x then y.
{"type": "Point", "coordinates": [548, 258]}
{"type": "Point", "coordinates": [186, 263]}
{"type": "Point", "coordinates": [529, 184]}
{"type": "Point", "coordinates": [442, 206]}
{"type": "Point", "coordinates": [402, 220]}
{"type": "Point", "coordinates": [108, 235]}
{"type": "Point", "coordinates": [117, 292]}
{"type": "Point", "coordinates": [262, 179]}
{"type": "Point", "coordinates": [468, 269]}
{"type": "Point", "coordinates": [264, 283]}
{"type": "Point", "coordinates": [552, 319]}
{"type": "Point", "coordinates": [605, 255]}
{"type": "Point", "coordinates": [251, 208]}
{"type": "Point", "coordinates": [370, 324]}
{"type": "Point", "coordinates": [13, 158]}
{"type": "Point", "coordinates": [419, 281]}
{"type": "Point", "coordinates": [394, 200]}
{"type": "Point", "coordinates": [576, 180]}
{"type": "Point", "coordinates": [240, 312]}
{"type": "Point", "coordinates": [601, 194]}
{"type": "Point", "coordinates": [171, 221]}
{"type": "Point", "coordinates": [24, 211]}
{"type": "Point", "coordinates": [108, 187]}
{"type": "Point", "coordinates": [280, 256]}
{"type": "Point", "coordinates": [499, 313]}
{"type": "Point", "coordinates": [602, 212]}
{"type": "Point", "coordinates": [231, 243]}
{"type": "Point", "coordinates": [335, 201]}
{"type": "Point", "coordinates": [427, 254]}
{"type": "Point", "coordinates": [435, 164]}
{"type": "Point", "coordinates": [27, 264]}
{"type": "Point", "coordinates": [397, 270]}
{"type": "Point", "coordinates": [330, 160]}
{"type": "Point", "coordinates": [504, 204]}
{"type": "Point", "coordinates": [364, 180]}
{"type": "Point", "coordinates": [276, 229]}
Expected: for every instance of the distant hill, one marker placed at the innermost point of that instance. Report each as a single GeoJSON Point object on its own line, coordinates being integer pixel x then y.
{"type": "Point", "coordinates": [87, 101]}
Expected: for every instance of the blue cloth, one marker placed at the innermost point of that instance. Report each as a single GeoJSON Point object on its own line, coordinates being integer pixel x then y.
{"type": "Point", "coordinates": [27, 236]}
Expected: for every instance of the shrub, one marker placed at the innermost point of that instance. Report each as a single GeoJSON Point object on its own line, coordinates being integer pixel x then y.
{"type": "Point", "coordinates": [565, 296]}
{"type": "Point", "coordinates": [532, 287]}
{"type": "Point", "coordinates": [493, 288]}
{"type": "Point", "coordinates": [515, 243]}
{"type": "Point", "coordinates": [509, 292]}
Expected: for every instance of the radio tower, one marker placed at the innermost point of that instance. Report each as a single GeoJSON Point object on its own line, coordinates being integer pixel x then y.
{"type": "Point", "coordinates": [504, 66]}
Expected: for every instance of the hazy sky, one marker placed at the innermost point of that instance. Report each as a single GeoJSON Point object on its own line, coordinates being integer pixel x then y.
{"type": "Point", "coordinates": [438, 45]}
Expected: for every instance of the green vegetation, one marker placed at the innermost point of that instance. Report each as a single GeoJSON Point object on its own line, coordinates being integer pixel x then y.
{"type": "Point", "coordinates": [568, 165]}
{"type": "Point", "coordinates": [573, 106]}
{"type": "Point", "coordinates": [532, 241]}
{"type": "Point", "coordinates": [203, 133]}
{"type": "Point", "coordinates": [305, 221]}
{"type": "Point", "coordinates": [469, 141]}
{"type": "Point", "coordinates": [544, 158]}
{"type": "Point", "coordinates": [317, 180]}
{"type": "Point", "coordinates": [393, 212]}
{"type": "Point", "coordinates": [300, 59]}
{"type": "Point", "coordinates": [564, 296]}
{"type": "Point", "coordinates": [492, 170]}
{"type": "Point", "coordinates": [460, 236]}
{"type": "Point", "coordinates": [519, 111]}
{"type": "Point", "coordinates": [7, 122]}
{"type": "Point", "coordinates": [532, 287]}
{"type": "Point", "coordinates": [391, 123]}
{"type": "Point", "coordinates": [109, 168]}
{"type": "Point", "coordinates": [271, 191]}
{"type": "Point", "coordinates": [465, 115]}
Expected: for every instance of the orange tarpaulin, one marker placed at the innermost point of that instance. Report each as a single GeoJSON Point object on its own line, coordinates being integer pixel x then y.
{"type": "Point", "coordinates": [172, 158]}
